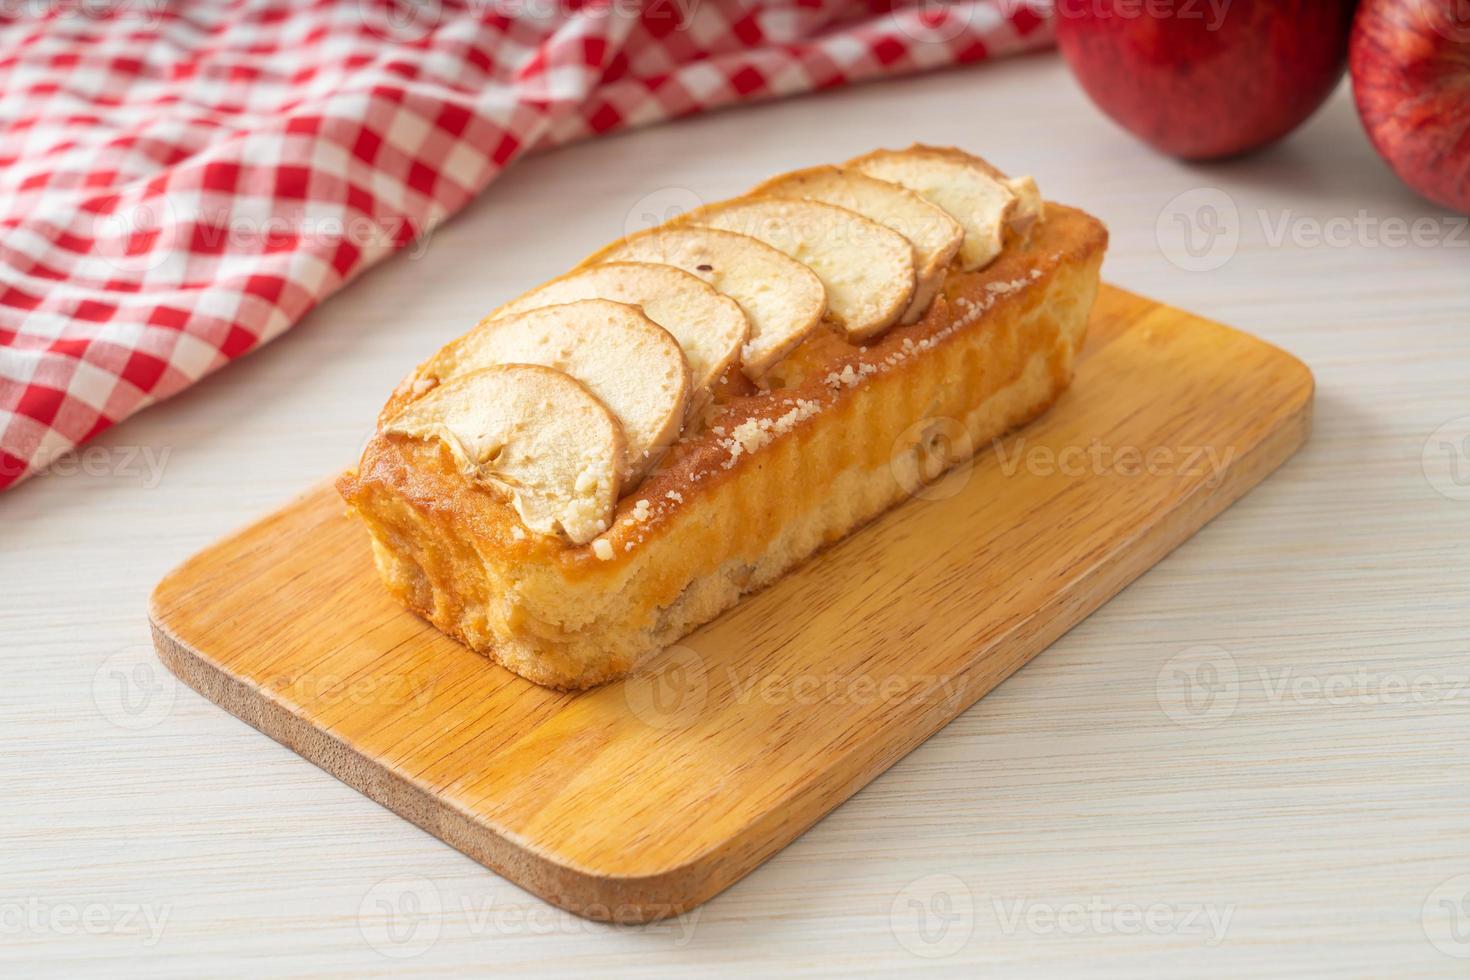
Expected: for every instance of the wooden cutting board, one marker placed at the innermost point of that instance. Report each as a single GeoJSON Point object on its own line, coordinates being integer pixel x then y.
{"type": "Point", "coordinates": [644, 798]}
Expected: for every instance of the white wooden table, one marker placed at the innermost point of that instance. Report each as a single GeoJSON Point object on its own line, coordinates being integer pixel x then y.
{"type": "Point", "coordinates": [1254, 760]}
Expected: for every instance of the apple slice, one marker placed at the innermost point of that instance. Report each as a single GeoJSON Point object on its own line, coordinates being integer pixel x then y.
{"type": "Point", "coordinates": [867, 269]}
{"type": "Point", "coordinates": [974, 193]}
{"type": "Point", "coordinates": [782, 298]}
{"type": "Point", "coordinates": [630, 363]}
{"type": "Point", "coordinates": [709, 327]}
{"type": "Point", "coordinates": [932, 234]}
{"type": "Point", "coordinates": [1030, 208]}
{"type": "Point", "coordinates": [535, 434]}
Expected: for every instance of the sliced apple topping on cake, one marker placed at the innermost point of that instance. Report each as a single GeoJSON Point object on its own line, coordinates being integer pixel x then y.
{"type": "Point", "coordinates": [710, 327]}
{"type": "Point", "coordinates": [534, 433]}
{"type": "Point", "coordinates": [982, 199]}
{"type": "Point", "coordinates": [1030, 208]}
{"type": "Point", "coordinates": [867, 269]}
{"type": "Point", "coordinates": [782, 298]}
{"type": "Point", "coordinates": [933, 235]}
{"type": "Point", "coordinates": [631, 364]}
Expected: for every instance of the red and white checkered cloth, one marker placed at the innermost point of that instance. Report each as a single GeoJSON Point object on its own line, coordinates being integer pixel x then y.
{"type": "Point", "coordinates": [181, 182]}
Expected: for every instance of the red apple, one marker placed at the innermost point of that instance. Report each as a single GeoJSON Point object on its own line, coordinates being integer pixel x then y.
{"type": "Point", "coordinates": [1411, 77]}
{"type": "Point", "coordinates": [1202, 79]}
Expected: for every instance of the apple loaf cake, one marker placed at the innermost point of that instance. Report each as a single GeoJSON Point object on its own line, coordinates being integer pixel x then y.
{"type": "Point", "coordinates": [616, 457]}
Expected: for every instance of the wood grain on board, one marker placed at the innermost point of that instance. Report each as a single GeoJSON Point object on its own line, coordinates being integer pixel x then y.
{"type": "Point", "coordinates": [644, 798]}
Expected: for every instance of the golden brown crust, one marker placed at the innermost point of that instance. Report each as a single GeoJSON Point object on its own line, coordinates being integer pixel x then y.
{"type": "Point", "coordinates": [769, 477]}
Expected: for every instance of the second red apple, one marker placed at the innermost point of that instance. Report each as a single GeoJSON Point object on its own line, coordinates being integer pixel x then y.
{"type": "Point", "coordinates": [1411, 77]}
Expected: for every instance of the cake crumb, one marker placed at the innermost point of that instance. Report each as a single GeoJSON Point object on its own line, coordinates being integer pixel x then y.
{"type": "Point", "coordinates": [603, 549]}
{"type": "Point", "coordinates": [846, 378]}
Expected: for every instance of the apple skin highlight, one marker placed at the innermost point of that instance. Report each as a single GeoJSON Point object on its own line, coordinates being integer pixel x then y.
{"type": "Point", "coordinates": [1206, 81]}
{"type": "Point", "coordinates": [1410, 63]}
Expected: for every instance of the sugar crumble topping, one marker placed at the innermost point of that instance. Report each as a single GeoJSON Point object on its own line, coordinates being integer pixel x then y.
{"type": "Point", "coordinates": [849, 377]}
{"type": "Point", "coordinates": [970, 310]}
{"type": "Point", "coordinates": [752, 434]}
